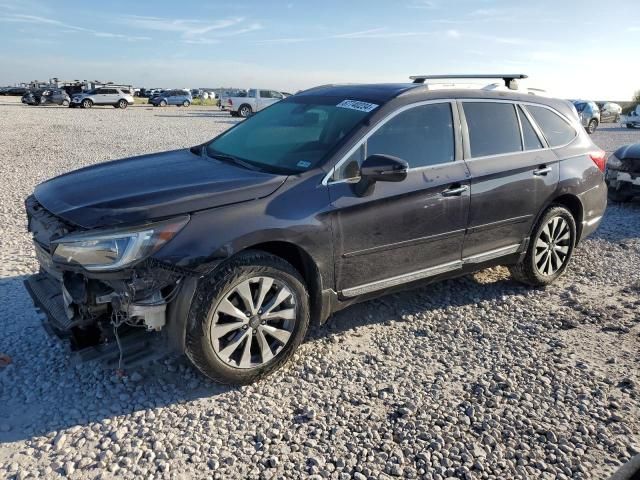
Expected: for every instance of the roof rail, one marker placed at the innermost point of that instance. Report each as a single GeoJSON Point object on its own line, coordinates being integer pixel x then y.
{"type": "Point", "coordinates": [507, 78]}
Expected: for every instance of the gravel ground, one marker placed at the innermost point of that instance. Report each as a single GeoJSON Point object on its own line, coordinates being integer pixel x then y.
{"type": "Point", "coordinates": [472, 378]}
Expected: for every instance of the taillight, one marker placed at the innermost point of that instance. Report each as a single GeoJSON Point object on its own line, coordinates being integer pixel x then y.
{"type": "Point", "coordinates": [599, 157]}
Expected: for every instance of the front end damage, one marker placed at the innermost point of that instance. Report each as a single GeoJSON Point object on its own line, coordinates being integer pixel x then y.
{"type": "Point", "coordinates": [623, 172]}
{"type": "Point", "coordinates": [102, 314]}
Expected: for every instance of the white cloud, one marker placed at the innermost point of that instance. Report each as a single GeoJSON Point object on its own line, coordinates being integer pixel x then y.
{"type": "Point", "coordinates": [452, 33]}
{"type": "Point", "coordinates": [65, 27]}
{"type": "Point", "coordinates": [423, 4]}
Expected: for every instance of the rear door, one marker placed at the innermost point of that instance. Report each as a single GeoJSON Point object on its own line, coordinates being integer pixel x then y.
{"type": "Point", "coordinates": [100, 96]}
{"type": "Point", "coordinates": [513, 176]}
{"type": "Point", "coordinates": [409, 230]}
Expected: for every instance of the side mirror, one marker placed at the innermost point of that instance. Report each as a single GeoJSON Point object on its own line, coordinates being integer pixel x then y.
{"type": "Point", "coordinates": [384, 168]}
{"type": "Point", "coordinates": [379, 168]}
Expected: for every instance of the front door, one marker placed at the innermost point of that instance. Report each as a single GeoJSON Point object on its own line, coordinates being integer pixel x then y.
{"type": "Point", "coordinates": [409, 230]}
{"type": "Point", "coordinates": [513, 175]}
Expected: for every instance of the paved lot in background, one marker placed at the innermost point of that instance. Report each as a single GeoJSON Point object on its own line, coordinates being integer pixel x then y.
{"type": "Point", "coordinates": [471, 378]}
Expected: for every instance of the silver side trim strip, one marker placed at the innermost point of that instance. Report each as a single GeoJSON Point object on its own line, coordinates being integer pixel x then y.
{"type": "Point", "coordinates": [401, 279]}
{"type": "Point", "coordinates": [491, 254]}
{"type": "Point", "coordinates": [429, 272]}
{"type": "Point", "coordinates": [593, 221]}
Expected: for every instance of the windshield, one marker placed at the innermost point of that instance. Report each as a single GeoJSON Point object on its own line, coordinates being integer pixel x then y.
{"type": "Point", "coordinates": [293, 135]}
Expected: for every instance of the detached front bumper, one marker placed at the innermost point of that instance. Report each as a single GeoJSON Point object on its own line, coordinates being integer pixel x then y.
{"type": "Point", "coordinates": [626, 182]}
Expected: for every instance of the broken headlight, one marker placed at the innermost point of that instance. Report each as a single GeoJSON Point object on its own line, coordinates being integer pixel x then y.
{"type": "Point", "coordinates": [614, 162]}
{"type": "Point", "coordinates": [117, 248]}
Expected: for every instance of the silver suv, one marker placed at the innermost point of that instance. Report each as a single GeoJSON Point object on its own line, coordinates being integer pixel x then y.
{"type": "Point", "coordinates": [103, 96]}
{"type": "Point", "coordinates": [589, 114]}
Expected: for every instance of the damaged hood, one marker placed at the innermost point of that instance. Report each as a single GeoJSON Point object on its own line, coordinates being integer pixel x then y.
{"type": "Point", "coordinates": [149, 187]}
{"type": "Point", "coordinates": [628, 152]}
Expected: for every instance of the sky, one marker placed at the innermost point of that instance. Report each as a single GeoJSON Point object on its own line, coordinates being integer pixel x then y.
{"type": "Point", "coordinates": [572, 48]}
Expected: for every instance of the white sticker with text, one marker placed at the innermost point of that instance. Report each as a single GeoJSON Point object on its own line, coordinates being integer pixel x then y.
{"type": "Point", "coordinates": [357, 105]}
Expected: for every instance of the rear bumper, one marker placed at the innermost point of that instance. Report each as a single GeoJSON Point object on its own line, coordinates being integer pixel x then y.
{"type": "Point", "coordinates": [594, 204]}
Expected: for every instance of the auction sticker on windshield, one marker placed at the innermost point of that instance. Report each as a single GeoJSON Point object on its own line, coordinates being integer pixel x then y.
{"type": "Point", "coordinates": [357, 105]}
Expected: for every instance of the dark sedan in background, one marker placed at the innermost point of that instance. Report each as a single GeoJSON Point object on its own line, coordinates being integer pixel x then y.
{"type": "Point", "coordinates": [47, 97]}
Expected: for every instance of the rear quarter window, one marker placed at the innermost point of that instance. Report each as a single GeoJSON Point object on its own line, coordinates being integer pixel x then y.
{"type": "Point", "coordinates": [556, 129]}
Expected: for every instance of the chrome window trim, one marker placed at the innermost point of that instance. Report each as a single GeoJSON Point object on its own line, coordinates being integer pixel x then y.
{"type": "Point", "coordinates": [453, 101]}
{"type": "Point", "coordinates": [553, 110]}
{"type": "Point", "coordinates": [533, 123]}
{"type": "Point", "coordinates": [381, 123]}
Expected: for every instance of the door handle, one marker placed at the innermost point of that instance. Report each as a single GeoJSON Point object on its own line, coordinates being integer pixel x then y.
{"type": "Point", "coordinates": [542, 171]}
{"type": "Point", "coordinates": [455, 191]}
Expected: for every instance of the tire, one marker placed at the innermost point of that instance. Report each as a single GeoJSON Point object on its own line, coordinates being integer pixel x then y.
{"type": "Point", "coordinates": [592, 126]}
{"type": "Point", "coordinates": [186, 103]}
{"type": "Point", "coordinates": [163, 103]}
{"type": "Point", "coordinates": [234, 114]}
{"type": "Point", "coordinates": [245, 111]}
{"type": "Point", "coordinates": [86, 103]}
{"type": "Point", "coordinates": [65, 103]}
{"type": "Point", "coordinates": [207, 353]}
{"type": "Point", "coordinates": [618, 196]}
{"type": "Point", "coordinates": [630, 125]}
{"type": "Point", "coordinates": [123, 104]}
{"type": "Point", "coordinates": [531, 271]}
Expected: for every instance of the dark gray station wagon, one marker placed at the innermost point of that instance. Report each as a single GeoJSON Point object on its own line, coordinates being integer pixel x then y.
{"type": "Point", "coordinates": [331, 196]}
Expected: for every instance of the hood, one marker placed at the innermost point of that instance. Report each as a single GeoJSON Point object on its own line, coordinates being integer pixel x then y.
{"type": "Point", "coordinates": [628, 152]}
{"type": "Point", "coordinates": [149, 187]}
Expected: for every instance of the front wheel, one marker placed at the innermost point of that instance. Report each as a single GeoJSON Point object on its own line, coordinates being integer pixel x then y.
{"type": "Point", "coordinates": [163, 103]}
{"type": "Point", "coordinates": [549, 250]}
{"type": "Point", "coordinates": [65, 103]}
{"type": "Point", "coordinates": [591, 127]}
{"type": "Point", "coordinates": [123, 104]}
{"type": "Point", "coordinates": [186, 103]}
{"type": "Point", "coordinates": [247, 318]}
{"type": "Point", "coordinates": [87, 103]}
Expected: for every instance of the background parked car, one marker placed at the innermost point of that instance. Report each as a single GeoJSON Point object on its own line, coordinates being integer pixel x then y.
{"type": "Point", "coordinates": [172, 97]}
{"type": "Point", "coordinates": [610, 112]}
{"type": "Point", "coordinates": [589, 114]}
{"type": "Point", "coordinates": [15, 91]}
{"type": "Point", "coordinates": [251, 102]}
{"type": "Point", "coordinates": [46, 96]}
{"type": "Point", "coordinates": [103, 96]}
{"type": "Point", "coordinates": [632, 120]}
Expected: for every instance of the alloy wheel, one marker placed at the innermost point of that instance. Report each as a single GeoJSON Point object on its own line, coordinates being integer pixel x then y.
{"type": "Point", "coordinates": [552, 246]}
{"type": "Point", "coordinates": [253, 322]}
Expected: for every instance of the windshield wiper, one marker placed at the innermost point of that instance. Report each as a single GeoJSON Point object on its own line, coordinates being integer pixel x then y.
{"type": "Point", "coordinates": [231, 159]}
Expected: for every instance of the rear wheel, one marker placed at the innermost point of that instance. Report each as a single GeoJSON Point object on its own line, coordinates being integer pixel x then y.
{"type": "Point", "coordinates": [591, 127]}
{"type": "Point", "coordinates": [247, 318]}
{"type": "Point", "coordinates": [123, 104]}
{"type": "Point", "coordinates": [245, 111]}
{"type": "Point", "coordinates": [86, 103]}
{"type": "Point", "coordinates": [65, 103]}
{"type": "Point", "coordinates": [550, 248]}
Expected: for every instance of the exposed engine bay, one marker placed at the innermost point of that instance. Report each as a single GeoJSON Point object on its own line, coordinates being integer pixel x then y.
{"type": "Point", "coordinates": [90, 311]}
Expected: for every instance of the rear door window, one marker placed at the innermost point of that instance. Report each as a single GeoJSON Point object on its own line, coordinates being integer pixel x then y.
{"type": "Point", "coordinates": [493, 128]}
{"type": "Point", "coordinates": [556, 130]}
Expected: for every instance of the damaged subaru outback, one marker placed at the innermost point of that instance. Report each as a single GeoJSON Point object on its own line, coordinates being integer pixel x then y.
{"type": "Point", "coordinates": [229, 250]}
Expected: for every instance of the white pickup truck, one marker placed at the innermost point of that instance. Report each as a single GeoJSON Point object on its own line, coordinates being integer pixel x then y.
{"type": "Point", "coordinates": [632, 120]}
{"type": "Point", "coordinates": [251, 102]}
